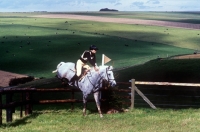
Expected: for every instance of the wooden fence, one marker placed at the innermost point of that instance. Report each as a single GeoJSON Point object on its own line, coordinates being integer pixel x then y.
{"type": "Point", "coordinates": [26, 99]}
{"type": "Point", "coordinates": [125, 93]}
{"type": "Point", "coordinates": [167, 94]}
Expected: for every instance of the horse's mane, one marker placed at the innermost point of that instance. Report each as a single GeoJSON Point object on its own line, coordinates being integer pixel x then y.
{"type": "Point", "coordinates": [105, 66]}
{"type": "Point", "coordinates": [100, 68]}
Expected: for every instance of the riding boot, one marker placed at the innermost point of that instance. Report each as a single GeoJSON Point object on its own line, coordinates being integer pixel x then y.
{"type": "Point", "coordinates": [73, 79]}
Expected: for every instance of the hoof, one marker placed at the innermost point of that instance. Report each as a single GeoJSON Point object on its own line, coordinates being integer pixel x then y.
{"type": "Point", "coordinates": [101, 115]}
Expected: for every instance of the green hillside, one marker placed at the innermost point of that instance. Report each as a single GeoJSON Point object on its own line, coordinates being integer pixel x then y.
{"type": "Point", "coordinates": [34, 46]}
{"type": "Point", "coordinates": [169, 70]}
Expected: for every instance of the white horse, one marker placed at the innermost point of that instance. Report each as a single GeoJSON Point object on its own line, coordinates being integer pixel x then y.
{"type": "Point", "coordinates": [92, 81]}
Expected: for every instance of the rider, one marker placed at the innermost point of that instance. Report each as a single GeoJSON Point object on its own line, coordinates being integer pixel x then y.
{"type": "Point", "coordinates": [88, 55]}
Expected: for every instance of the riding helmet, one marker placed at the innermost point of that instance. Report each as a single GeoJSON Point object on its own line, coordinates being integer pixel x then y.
{"type": "Point", "coordinates": [93, 47]}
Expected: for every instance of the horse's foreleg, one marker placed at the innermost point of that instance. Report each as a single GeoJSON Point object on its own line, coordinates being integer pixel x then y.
{"type": "Point", "coordinates": [96, 97]}
{"type": "Point", "coordinates": [84, 105]}
{"type": "Point", "coordinates": [84, 109]}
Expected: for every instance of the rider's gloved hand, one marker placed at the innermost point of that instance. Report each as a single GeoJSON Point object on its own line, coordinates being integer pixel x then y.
{"type": "Point", "coordinates": [96, 68]}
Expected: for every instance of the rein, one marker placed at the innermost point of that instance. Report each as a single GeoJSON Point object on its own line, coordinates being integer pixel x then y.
{"type": "Point", "coordinates": [102, 79]}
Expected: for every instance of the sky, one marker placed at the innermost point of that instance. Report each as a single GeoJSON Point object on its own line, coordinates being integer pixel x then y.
{"type": "Point", "coordinates": [96, 5]}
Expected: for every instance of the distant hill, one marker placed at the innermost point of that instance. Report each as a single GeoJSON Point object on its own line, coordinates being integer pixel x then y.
{"type": "Point", "coordinates": [106, 9]}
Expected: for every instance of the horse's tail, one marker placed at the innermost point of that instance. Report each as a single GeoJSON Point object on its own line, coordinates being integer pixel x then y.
{"type": "Point", "coordinates": [60, 64]}
{"type": "Point", "coordinates": [55, 71]}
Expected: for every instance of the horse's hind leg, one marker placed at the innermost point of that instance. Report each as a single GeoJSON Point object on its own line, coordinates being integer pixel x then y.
{"type": "Point", "coordinates": [96, 97]}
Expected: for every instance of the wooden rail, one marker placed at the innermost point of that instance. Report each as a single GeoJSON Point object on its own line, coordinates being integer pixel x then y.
{"type": "Point", "coordinates": [134, 83]}
{"type": "Point", "coordinates": [27, 100]}
{"type": "Point", "coordinates": [168, 84]}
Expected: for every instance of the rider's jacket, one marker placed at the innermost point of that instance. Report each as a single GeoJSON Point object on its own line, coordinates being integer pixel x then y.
{"type": "Point", "coordinates": [88, 56]}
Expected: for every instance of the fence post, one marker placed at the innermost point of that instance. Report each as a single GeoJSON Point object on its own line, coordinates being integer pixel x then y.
{"type": "Point", "coordinates": [132, 93]}
{"type": "Point", "coordinates": [21, 107]}
{"type": "Point", "coordinates": [72, 97]}
{"type": "Point", "coordinates": [8, 110]}
{"type": "Point", "coordinates": [0, 108]}
{"type": "Point", "coordinates": [28, 107]}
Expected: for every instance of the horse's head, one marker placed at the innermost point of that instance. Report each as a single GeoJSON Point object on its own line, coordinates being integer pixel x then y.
{"type": "Point", "coordinates": [107, 73]}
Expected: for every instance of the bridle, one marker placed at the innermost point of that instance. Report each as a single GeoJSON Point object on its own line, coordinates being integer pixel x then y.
{"type": "Point", "coordinates": [102, 81]}
{"type": "Point", "coordinates": [107, 69]}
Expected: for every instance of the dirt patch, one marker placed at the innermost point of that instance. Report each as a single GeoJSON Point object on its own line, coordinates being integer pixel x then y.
{"type": "Point", "coordinates": [123, 20]}
{"type": "Point", "coordinates": [6, 76]}
{"type": "Point", "coordinates": [192, 56]}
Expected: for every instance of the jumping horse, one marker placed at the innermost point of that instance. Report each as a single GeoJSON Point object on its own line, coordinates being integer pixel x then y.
{"type": "Point", "coordinates": [90, 83]}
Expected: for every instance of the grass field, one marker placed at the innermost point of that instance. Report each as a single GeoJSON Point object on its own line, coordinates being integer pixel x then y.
{"type": "Point", "coordinates": [34, 46]}
{"type": "Point", "coordinates": [140, 120]}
